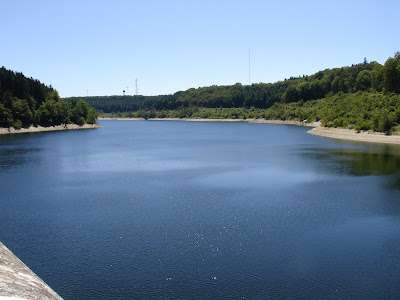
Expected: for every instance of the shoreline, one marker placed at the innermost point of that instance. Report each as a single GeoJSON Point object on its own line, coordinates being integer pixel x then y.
{"type": "Point", "coordinates": [33, 129]}
{"type": "Point", "coordinates": [329, 132]}
{"type": "Point", "coordinates": [259, 121]}
{"type": "Point", "coordinates": [352, 135]}
{"type": "Point", "coordinates": [174, 119]}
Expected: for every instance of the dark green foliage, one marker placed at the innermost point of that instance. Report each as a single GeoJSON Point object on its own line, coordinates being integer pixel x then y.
{"type": "Point", "coordinates": [81, 112]}
{"type": "Point", "coordinates": [25, 101]}
{"type": "Point", "coordinates": [343, 97]}
{"type": "Point", "coordinates": [22, 112]}
{"type": "Point", "coordinates": [392, 74]}
{"type": "Point", "coordinates": [377, 78]}
{"type": "Point", "coordinates": [6, 118]}
{"type": "Point", "coordinates": [361, 77]}
{"type": "Point", "coordinates": [361, 111]}
{"type": "Point", "coordinates": [363, 80]}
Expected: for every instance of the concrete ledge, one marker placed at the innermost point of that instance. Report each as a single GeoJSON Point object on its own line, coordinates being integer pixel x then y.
{"type": "Point", "coordinates": [17, 281]}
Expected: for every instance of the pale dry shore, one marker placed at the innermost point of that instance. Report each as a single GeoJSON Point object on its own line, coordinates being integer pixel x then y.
{"type": "Point", "coordinates": [286, 122]}
{"type": "Point", "coordinates": [120, 119]}
{"type": "Point", "coordinates": [50, 128]}
{"type": "Point", "coordinates": [352, 135]}
{"type": "Point", "coordinates": [176, 119]}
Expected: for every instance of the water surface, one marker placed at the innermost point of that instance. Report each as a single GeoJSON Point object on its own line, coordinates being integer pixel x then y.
{"type": "Point", "coordinates": [202, 210]}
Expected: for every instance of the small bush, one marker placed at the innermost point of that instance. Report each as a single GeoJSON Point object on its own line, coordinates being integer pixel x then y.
{"type": "Point", "coordinates": [17, 124]}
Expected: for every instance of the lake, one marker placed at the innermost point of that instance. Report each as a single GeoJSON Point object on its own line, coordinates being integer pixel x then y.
{"type": "Point", "coordinates": [202, 210]}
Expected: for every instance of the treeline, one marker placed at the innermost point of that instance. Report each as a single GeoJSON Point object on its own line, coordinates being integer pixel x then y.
{"type": "Point", "coordinates": [25, 102]}
{"type": "Point", "coordinates": [362, 96]}
{"type": "Point", "coordinates": [116, 104]}
{"type": "Point", "coordinates": [360, 111]}
{"type": "Point", "coordinates": [257, 95]}
{"type": "Point", "coordinates": [360, 77]}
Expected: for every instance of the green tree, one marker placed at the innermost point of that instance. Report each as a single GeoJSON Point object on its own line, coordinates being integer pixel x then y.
{"type": "Point", "coordinates": [6, 118]}
{"type": "Point", "coordinates": [25, 101]}
{"type": "Point", "coordinates": [363, 80]}
{"type": "Point", "coordinates": [92, 116]}
{"type": "Point", "coordinates": [290, 95]}
{"type": "Point", "coordinates": [392, 74]}
{"type": "Point", "coordinates": [22, 112]}
{"type": "Point", "coordinates": [377, 78]}
{"type": "Point", "coordinates": [385, 123]}
{"type": "Point", "coordinates": [335, 85]}
{"type": "Point", "coordinates": [44, 114]}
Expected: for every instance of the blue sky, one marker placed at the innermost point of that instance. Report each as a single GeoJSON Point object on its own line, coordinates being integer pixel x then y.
{"type": "Point", "coordinates": [101, 47]}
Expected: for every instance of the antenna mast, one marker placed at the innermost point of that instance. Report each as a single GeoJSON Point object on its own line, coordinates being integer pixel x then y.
{"type": "Point", "coordinates": [136, 90]}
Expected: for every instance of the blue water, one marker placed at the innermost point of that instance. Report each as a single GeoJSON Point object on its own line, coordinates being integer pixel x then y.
{"type": "Point", "coordinates": [202, 210]}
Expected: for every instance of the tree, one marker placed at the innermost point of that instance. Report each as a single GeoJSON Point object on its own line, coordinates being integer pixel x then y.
{"type": "Point", "coordinates": [25, 101]}
{"type": "Point", "coordinates": [92, 116]}
{"type": "Point", "coordinates": [377, 78]}
{"type": "Point", "coordinates": [6, 118]}
{"type": "Point", "coordinates": [392, 74]}
{"type": "Point", "coordinates": [290, 95]}
{"type": "Point", "coordinates": [22, 112]}
{"type": "Point", "coordinates": [363, 80]}
{"type": "Point", "coordinates": [335, 85]}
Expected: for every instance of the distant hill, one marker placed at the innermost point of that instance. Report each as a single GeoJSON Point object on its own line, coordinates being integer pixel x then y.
{"type": "Point", "coordinates": [26, 101]}
{"type": "Point", "coordinates": [335, 96]}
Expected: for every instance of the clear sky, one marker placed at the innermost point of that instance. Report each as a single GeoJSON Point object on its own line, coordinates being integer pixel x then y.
{"type": "Point", "coordinates": [101, 47]}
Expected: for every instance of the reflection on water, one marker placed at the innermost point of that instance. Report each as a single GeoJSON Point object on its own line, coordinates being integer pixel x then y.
{"type": "Point", "coordinates": [386, 162]}
{"type": "Point", "coordinates": [161, 210]}
{"type": "Point", "coordinates": [361, 163]}
{"type": "Point", "coordinates": [11, 158]}
{"type": "Point", "coordinates": [363, 160]}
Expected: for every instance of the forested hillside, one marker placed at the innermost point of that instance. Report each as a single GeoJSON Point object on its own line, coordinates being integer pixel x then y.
{"type": "Point", "coordinates": [362, 96]}
{"type": "Point", "coordinates": [26, 101]}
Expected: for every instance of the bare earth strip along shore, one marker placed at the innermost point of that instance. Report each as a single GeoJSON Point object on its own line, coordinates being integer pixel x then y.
{"type": "Point", "coordinates": [353, 135]}
{"type": "Point", "coordinates": [286, 122]}
{"type": "Point", "coordinates": [335, 133]}
{"type": "Point", "coordinates": [49, 128]}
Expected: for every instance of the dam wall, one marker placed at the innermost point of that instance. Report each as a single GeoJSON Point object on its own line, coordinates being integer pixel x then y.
{"type": "Point", "coordinates": [17, 281]}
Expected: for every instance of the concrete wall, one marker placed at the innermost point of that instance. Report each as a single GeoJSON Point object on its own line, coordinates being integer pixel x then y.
{"type": "Point", "coordinates": [17, 281]}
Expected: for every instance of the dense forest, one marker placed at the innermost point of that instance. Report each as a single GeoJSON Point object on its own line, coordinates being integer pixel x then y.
{"type": "Point", "coordinates": [363, 96]}
{"type": "Point", "coordinates": [25, 102]}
